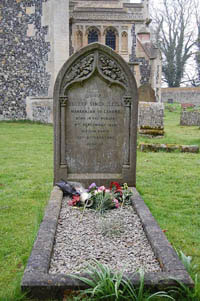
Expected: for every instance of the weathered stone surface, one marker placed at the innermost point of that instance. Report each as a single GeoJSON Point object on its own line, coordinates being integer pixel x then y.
{"type": "Point", "coordinates": [95, 114]}
{"type": "Point", "coordinates": [190, 148]}
{"type": "Point", "coordinates": [42, 285]}
{"type": "Point", "coordinates": [34, 39]}
{"type": "Point", "coordinates": [146, 93]}
{"type": "Point", "coordinates": [168, 148]}
{"type": "Point", "coordinates": [190, 117]}
{"type": "Point", "coordinates": [24, 53]}
{"type": "Point", "coordinates": [151, 118]}
{"type": "Point", "coordinates": [40, 109]}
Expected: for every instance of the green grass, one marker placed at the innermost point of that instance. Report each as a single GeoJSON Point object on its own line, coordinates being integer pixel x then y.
{"type": "Point", "coordinates": [26, 173]}
{"type": "Point", "coordinates": [174, 133]}
{"type": "Point", "coordinates": [170, 185]}
{"type": "Point", "coordinates": [168, 182]}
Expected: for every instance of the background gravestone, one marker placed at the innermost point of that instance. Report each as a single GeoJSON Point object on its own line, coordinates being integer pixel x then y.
{"type": "Point", "coordinates": [95, 118]}
{"type": "Point", "coordinates": [146, 93]}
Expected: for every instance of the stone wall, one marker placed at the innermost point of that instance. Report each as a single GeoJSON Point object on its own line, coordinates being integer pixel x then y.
{"type": "Point", "coordinates": [35, 39]}
{"type": "Point", "coordinates": [181, 95]}
{"type": "Point", "coordinates": [190, 117]}
{"type": "Point", "coordinates": [23, 56]}
{"type": "Point", "coordinates": [39, 109]}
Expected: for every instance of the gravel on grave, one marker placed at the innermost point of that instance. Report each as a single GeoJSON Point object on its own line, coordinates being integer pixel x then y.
{"type": "Point", "coordinates": [115, 238]}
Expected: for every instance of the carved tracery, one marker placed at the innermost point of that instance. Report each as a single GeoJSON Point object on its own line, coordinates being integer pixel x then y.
{"type": "Point", "coordinates": [112, 70]}
{"type": "Point", "coordinates": [80, 70]}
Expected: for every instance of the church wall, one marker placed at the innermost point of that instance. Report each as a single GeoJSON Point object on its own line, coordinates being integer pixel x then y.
{"type": "Point", "coordinates": [101, 27]}
{"type": "Point", "coordinates": [33, 51]}
{"type": "Point", "coordinates": [23, 56]}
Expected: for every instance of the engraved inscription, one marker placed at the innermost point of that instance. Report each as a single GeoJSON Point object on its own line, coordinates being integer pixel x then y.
{"type": "Point", "coordinates": [95, 127]}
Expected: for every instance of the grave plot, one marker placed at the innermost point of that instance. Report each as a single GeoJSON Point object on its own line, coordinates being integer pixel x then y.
{"type": "Point", "coordinates": [95, 135]}
{"type": "Point", "coordinates": [43, 280]}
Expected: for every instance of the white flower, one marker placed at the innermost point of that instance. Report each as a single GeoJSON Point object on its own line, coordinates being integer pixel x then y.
{"type": "Point", "coordinates": [84, 196]}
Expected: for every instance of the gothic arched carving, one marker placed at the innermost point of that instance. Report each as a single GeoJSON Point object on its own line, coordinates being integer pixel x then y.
{"type": "Point", "coordinates": [84, 68]}
{"type": "Point", "coordinates": [79, 39]}
{"type": "Point", "coordinates": [124, 41]}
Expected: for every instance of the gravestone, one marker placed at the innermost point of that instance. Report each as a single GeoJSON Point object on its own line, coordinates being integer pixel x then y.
{"type": "Point", "coordinates": [146, 93]}
{"type": "Point", "coordinates": [95, 118]}
{"type": "Point", "coordinates": [95, 126]}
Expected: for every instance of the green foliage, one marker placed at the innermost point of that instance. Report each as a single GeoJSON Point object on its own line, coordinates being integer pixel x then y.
{"type": "Point", "coordinates": [182, 292]}
{"type": "Point", "coordinates": [103, 198]}
{"type": "Point", "coordinates": [103, 202]}
{"type": "Point", "coordinates": [111, 227]}
{"type": "Point", "coordinates": [106, 285]}
{"type": "Point", "coordinates": [187, 262]}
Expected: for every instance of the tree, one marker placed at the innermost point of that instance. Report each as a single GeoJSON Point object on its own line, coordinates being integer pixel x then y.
{"type": "Point", "coordinates": [196, 82]}
{"type": "Point", "coordinates": [174, 29]}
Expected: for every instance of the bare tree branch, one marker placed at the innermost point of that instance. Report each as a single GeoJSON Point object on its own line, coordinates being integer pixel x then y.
{"type": "Point", "coordinates": [175, 34]}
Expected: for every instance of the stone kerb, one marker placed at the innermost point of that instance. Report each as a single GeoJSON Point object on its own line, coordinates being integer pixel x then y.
{"type": "Point", "coordinates": [40, 284]}
{"type": "Point", "coordinates": [95, 114]}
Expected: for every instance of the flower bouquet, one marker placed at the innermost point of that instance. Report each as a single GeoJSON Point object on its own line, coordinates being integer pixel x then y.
{"type": "Point", "coordinates": [102, 198]}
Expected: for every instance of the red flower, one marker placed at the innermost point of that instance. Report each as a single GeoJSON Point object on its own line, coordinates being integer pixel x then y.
{"type": "Point", "coordinates": [117, 186]}
{"type": "Point", "coordinates": [75, 199]}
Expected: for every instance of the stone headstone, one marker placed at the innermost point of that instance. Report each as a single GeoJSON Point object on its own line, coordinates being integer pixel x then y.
{"type": "Point", "coordinates": [146, 93]}
{"type": "Point", "coordinates": [151, 118]}
{"type": "Point", "coordinates": [95, 118]}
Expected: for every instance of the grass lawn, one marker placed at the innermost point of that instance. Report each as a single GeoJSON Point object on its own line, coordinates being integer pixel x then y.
{"type": "Point", "coordinates": [168, 182]}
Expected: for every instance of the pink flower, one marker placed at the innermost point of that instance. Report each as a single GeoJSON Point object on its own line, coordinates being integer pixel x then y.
{"type": "Point", "coordinates": [107, 190]}
{"type": "Point", "coordinates": [101, 188]}
{"type": "Point", "coordinates": [70, 203]}
{"type": "Point", "coordinates": [116, 203]}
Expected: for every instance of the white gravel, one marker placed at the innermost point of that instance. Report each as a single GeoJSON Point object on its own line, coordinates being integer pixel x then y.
{"type": "Point", "coordinates": [115, 238]}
